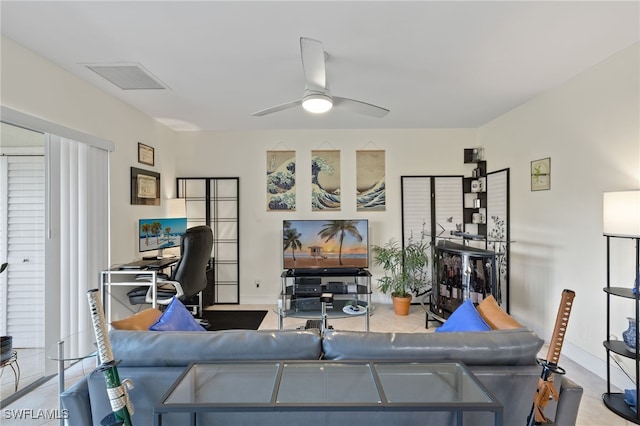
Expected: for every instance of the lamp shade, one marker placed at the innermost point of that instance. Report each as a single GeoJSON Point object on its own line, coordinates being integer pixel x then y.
{"type": "Point", "coordinates": [621, 214]}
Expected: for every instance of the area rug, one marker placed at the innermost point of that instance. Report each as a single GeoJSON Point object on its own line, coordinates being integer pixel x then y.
{"type": "Point", "coordinates": [233, 320]}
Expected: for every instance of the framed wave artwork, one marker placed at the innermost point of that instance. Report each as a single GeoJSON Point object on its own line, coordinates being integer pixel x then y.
{"type": "Point", "coordinates": [370, 180]}
{"type": "Point", "coordinates": [325, 180]}
{"type": "Point", "coordinates": [281, 180]}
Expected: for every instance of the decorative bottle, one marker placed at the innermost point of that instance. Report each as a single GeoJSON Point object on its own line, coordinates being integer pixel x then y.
{"type": "Point", "coordinates": [443, 286]}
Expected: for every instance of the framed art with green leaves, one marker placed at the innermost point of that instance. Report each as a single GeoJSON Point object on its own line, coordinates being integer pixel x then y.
{"type": "Point", "coordinates": [541, 174]}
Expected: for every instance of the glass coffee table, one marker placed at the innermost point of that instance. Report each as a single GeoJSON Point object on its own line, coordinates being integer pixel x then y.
{"type": "Point", "coordinates": [325, 393]}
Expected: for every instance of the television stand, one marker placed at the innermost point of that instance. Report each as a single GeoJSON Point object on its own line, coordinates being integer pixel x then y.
{"type": "Point", "coordinates": [301, 295]}
{"type": "Point", "coordinates": [310, 272]}
{"type": "Point", "coordinates": [316, 324]}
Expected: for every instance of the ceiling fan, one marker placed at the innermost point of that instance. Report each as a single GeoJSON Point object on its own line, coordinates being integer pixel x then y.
{"type": "Point", "coordinates": [316, 97]}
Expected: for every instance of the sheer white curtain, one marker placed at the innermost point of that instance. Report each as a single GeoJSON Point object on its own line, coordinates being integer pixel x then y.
{"type": "Point", "coordinates": [77, 244]}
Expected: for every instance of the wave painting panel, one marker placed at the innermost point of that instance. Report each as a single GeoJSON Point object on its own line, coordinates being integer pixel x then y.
{"type": "Point", "coordinates": [370, 181]}
{"type": "Point", "coordinates": [325, 180]}
{"type": "Point", "coordinates": [281, 180]}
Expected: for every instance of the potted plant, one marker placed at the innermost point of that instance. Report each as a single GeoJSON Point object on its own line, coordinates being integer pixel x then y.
{"type": "Point", "coordinates": [405, 270]}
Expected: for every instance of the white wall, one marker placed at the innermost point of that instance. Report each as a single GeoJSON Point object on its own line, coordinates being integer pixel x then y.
{"type": "Point", "coordinates": [243, 154]}
{"type": "Point", "coordinates": [590, 128]}
{"type": "Point", "coordinates": [34, 86]}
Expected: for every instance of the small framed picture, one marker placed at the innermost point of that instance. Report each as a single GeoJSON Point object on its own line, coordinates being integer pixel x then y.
{"type": "Point", "coordinates": [146, 154]}
{"type": "Point", "coordinates": [541, 174]}
{"type": "Point", "coordinates": [145, 187]}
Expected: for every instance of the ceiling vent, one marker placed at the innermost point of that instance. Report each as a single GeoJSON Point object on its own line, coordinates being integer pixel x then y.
{"type": "Point", "coordinates": [128, 76]}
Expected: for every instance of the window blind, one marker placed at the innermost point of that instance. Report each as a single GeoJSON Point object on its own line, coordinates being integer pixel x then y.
{"type": "Point", "coordinates": [77, 244]}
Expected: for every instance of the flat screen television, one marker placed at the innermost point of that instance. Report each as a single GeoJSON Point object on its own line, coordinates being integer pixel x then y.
{"type": "Point", "coordinates": [158, 234]}
{"type": "Point", "coordinates": [325, 244]}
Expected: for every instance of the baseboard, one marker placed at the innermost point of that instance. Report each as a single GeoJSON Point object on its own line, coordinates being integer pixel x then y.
{"type": "Point", "coordinates": [595, 364]}
{"type": "Point", "coordinates": [258, 300]}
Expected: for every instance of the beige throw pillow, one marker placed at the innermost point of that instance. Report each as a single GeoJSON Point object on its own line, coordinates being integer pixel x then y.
{"type": "Point", "coordinates": [140, 321]}
{"type": "Point", "coordinates": [493, 315]}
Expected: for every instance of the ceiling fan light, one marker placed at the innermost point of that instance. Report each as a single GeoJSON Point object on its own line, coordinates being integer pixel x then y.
{"type": "Point", "coordinates": [317, 103]}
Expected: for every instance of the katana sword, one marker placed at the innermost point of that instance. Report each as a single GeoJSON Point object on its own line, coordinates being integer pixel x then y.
{"type": "Point", "coordinates": [121, 406]}
{"type": "Point", "coordinates": [546, 389]}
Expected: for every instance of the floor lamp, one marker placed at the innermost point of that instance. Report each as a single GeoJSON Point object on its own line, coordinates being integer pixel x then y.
{"type": "Point", "coordinates": [621, 219]}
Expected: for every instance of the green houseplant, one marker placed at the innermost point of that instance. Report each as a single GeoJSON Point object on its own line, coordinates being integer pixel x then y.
{"type": "Point", "coordinates": [405, 270]}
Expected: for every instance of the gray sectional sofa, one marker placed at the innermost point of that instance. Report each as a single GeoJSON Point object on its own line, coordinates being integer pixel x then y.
{"type": "Point", "coordinates": [503, 360]}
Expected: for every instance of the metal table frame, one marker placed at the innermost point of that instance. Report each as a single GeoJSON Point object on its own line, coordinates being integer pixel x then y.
{"type": "Point", "coordinates": [382, 405]}
{"type": "Point", "coordinates": [12, 362]}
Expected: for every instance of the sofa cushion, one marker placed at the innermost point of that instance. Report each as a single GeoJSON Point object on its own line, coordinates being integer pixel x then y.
{"type": "Point", "coordinates": [140, 321]}
{"type": "Point", "coordinates": [495, 347]}
{"type": "Point", "coordinates": [149, 386]}
{"type": "Point", "coordinates": [172, 348]}
{"type": "Point", "coordinates": [464, 318]}
{"type": "Point", "coordinates": [176, 318]}
{"type": "Point", "coordinates": [75, 399]}
{"type": "Point", "coordinates": [493, 315]}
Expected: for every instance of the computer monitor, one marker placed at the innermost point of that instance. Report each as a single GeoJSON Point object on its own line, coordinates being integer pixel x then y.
{"type": "Point", "coordinates": [158, 234]}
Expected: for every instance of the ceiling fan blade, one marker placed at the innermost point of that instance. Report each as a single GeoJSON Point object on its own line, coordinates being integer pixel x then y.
{"type": "Point", "coordinates": [360, 107]}
{"type": "Point", "coordinates": [312, 53]}
{"type": "Point", "coordinates": [277, 108]}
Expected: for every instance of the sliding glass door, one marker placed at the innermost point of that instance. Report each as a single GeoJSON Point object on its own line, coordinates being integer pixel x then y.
{"type": "Point", "coordinates": [55, 236]}
{"type": "Point", "coordinates": [22, 206]}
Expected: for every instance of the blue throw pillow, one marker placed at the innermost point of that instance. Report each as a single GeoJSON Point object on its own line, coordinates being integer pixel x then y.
{"type": "Point", "coordinates": [176, 318]}
{"type": "Point", "coordinates": [630, 399]}
{"type": "Point", "coordinates": [465, 318]}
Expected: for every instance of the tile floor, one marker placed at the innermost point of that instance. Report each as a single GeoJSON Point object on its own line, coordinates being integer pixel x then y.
{"type": "Point", "coordinates": [45, 397]}
{"type": "Point", "coordinates": [31, 363]}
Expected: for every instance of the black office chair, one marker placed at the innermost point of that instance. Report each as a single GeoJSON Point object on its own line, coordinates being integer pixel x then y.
{"type": "Point", "coordinates": [189, 276]}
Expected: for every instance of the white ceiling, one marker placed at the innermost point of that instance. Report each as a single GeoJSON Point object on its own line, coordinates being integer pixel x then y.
{"type": "Point", "coordinates": [434, 64]}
